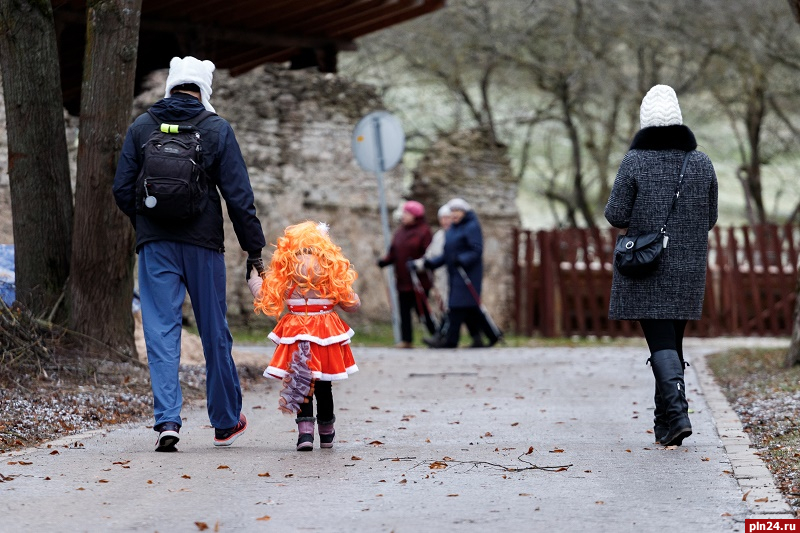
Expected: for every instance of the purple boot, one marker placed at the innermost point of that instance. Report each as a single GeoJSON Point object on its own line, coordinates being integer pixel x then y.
{"type": "Point", "coordinates": [326, 433]}
{"type": "Point", "coordinates": [305, 439]}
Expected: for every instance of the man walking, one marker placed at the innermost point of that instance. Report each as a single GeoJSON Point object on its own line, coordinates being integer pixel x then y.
{"type": "Point", "coordinates": [178, 158]}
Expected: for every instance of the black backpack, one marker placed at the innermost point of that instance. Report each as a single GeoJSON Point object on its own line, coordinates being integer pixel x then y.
{"type": "Point", "coordinates": [172, 185]}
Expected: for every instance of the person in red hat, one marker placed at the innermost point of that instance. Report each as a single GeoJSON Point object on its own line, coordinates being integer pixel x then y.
{"type": "Point", "coordinates": [410, 242]}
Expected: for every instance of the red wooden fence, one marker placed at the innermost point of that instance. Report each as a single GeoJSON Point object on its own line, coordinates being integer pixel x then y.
{"type": "Point", "coordinates": [563, 282]}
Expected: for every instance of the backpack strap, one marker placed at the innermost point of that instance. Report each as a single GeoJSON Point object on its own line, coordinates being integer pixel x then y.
{"type": "Point", "coordinates": [200, 117]}
{"type": "Point", "coordinates": [194, 121]}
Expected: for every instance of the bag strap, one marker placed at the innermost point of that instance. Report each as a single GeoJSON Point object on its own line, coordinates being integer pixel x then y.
{"type": "Point", "coordinates": [194, 121]}
{"type": "Point", "coordinates": [677, 191]}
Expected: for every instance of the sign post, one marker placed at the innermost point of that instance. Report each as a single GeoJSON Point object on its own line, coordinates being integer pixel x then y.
{"type": "Point", "coordinates": [378, 144]}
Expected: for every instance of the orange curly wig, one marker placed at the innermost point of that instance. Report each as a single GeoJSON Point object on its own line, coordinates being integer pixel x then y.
{"type": "Point", "coordinates": [306, 258]}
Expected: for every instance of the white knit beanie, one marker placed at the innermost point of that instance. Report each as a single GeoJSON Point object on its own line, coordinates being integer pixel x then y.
{"type": "Point", "coordinates": [191, 70]}
{"type": "Point", "coordinates": [444, 211]}
{"type": "Point", "coordinates": [660, 108]}
{"type": "Point", "coordinates": [459, 204]}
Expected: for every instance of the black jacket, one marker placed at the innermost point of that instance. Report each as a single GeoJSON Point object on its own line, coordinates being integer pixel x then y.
{"type": "Point", "coordinates": [222, 161]}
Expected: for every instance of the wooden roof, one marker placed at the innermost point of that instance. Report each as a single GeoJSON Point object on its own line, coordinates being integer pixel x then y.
{"type": "Point", "coordinates": [236, 35]}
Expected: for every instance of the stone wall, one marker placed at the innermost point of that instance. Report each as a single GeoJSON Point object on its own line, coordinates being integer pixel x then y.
{"type": "Point", "coordinates": [295, 128]}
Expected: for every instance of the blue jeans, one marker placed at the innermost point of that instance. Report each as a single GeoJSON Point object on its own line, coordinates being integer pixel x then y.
{"type": "Point", "coordinates": [166, 271]}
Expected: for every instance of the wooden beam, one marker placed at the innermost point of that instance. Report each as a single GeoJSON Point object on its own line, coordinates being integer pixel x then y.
{"type": "Point", "coordinates": [246, 37]}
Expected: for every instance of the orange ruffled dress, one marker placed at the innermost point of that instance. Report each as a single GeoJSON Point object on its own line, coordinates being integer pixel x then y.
{"type": "Point", "coordinates": [315, 321]}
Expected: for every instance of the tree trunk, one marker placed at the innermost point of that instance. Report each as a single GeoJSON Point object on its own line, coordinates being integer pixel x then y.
{"type": "Point", "coordinates": [38, 166]}
{"type": "Point", "coordinates": [793, 355]}
{"type": "Point", "coordinates": [101, 285]}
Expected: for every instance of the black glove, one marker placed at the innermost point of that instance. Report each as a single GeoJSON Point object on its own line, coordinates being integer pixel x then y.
{"type": "Point", "coordinates": [427, 264]}
{"type": "Point", "coordinates": [254, 261]}
{"type": "Point", "coordinates": [382, 263]}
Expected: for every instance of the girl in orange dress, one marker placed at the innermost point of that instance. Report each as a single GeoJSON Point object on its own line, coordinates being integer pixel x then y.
{"type": "Point", "coordinates": [310, 276]}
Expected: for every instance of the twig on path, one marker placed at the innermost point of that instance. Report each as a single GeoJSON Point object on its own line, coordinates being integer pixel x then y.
{"type": "Point", "coordinates": [397, 458]}
{"type": "Point", "coordinates": [444, 464]}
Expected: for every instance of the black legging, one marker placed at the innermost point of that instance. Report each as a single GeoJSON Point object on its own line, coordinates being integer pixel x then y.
{"type": "Point", "coordinates": [409, 300]}
{"type": "Point", "coordinates": [324, 395]}
{"type": "Point", "coordinates": [664, 335]}
{"type": "Point", "coordinates": [475, 321]}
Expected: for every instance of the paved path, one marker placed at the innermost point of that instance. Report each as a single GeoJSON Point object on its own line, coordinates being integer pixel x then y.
{"type": "Point", "coordinates": [422, 435]}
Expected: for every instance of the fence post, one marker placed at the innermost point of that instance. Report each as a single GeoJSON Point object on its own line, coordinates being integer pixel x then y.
{"type": "Point", "coordinates": [548, 276]}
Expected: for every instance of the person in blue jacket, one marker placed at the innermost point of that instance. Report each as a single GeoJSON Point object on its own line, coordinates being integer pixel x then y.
{"type": "Point", "coordinates": [176, 256]}
{"type": "Point", "coordinates": [463, 256]}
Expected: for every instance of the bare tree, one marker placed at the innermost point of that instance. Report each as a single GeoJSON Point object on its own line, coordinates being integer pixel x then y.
{"type": "Point", "coordinates": [41, 196]}
{"type": "Point", "coordinates": [101, 286]}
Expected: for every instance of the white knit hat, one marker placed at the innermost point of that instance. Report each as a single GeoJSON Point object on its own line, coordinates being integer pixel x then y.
{"type": "Point", "coordinates": [191, 70]}
{"type": "Point", "coordinates": [459, 204]}
{"type": "Point", "coordinates": [660, 108]}
{"type": "Point", "coordinates": [444, 211]}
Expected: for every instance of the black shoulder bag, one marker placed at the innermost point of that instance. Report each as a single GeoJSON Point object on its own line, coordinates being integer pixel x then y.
{"type": "Point", "coordinates": [637, 256]}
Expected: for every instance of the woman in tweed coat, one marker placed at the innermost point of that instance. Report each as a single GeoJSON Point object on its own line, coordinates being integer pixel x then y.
{"type": "Point", "coordinates": [640, 201]}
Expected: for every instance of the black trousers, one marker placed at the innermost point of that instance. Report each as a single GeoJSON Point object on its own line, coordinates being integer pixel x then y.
{"type": "Point", "coordinates": [664, 335]}
{"type": "Point", "coordinates": [409, 300]}
{"type": "Point", "coordinates": [475, 321]}
{"type": "Point", "coordinates": [324, 396]}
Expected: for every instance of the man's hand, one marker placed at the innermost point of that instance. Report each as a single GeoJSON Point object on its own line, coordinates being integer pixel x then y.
{"type": "Point", "coordinates": [254, 261]}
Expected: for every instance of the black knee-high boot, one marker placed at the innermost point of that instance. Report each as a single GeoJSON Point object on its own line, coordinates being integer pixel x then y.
{"type": "Point", "coordinates": [660, 421]}
{"type": "Point", "coordinates": [668, 372]}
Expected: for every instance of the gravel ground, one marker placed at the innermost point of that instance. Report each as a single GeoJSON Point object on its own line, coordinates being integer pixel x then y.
{"type": "Point", "coordinates": [766, 396]}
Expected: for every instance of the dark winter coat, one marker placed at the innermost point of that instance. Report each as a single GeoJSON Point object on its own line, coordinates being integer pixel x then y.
{"type": "Point", "coordinates": [409, 243]}
{"type": "Point", "coordinates": [640, 201]}
{"type": "Point", "coordinates": [223, 162]}
{"type": "Point", "coordinates": [463, 247]}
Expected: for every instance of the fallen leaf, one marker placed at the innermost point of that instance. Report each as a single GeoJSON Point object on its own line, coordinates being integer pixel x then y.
{"type": "Point", "coordinates": [514, 424]}
{"type": "Point", "coordinates": [600, 502]}
{"type": "Point", "coordinates": [376, 443]}
{"type": "Point", "coordinates": [381, 481]}
{"type": "Point", "coordinates": [451, 495]}
{"type": "Point", "coordinates": [446, 458]}
{"type": "Point", "coordinates": [403, 481]}
{"type": "Point", "coordinates": [149, 481]}
{"type": "Point", "coordinates": [26, 463]}
{"type": "Point", "coordinates": [223, 467]}
{"type": "Point", "coordinates": [563, 468]}
{"type": "Point", "coordinates": [264, 518]}
{"type": "Point", "coordinates": [628, 451]}
{"type": "Point", "coordinates": [186, 476]}
{"type": "Point", "coordinates": [524, 494]}
{"type": "Point", "coordinates": [530, 451]}
{"type": "Point", "coordinates": [438, 465]}
{"type": "Point", "coordinates": [374, 407]}
{"type": "Point", "coordinates": [289, 475]}
{"type": "Point", "coordinates": [705, 459]}
{"type": "Point", "coordinates": [744, 496]}
{"type": "Point", "coordinates": [761, 500]}
{"type": "Point", "coordinates": [355, 458]}
{"type": "Point", "coordinates": [725, 514]}
{"type": "Point", "coordinates": [202, 526]}
{"type": "Point", "coordinates": [557, 450]}
{"type": "Point", "coordinates": [488, 434]}
{"type": "Point", "coordinates": [265, 474]}
{"type": "Point", "coordinates": [80, 488]}
{"type": "Point", "coordinates": [54, 452]}
{"type": "Point", "coordinates": [120, 462]}
{"type": "Point", "coordinates": [588, 471]}
{"type": "Point", "coordinates": [102, 481]}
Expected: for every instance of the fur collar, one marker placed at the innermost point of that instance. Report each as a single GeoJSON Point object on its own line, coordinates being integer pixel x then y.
{"type": "Point", "coordinates": [664, 138]}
